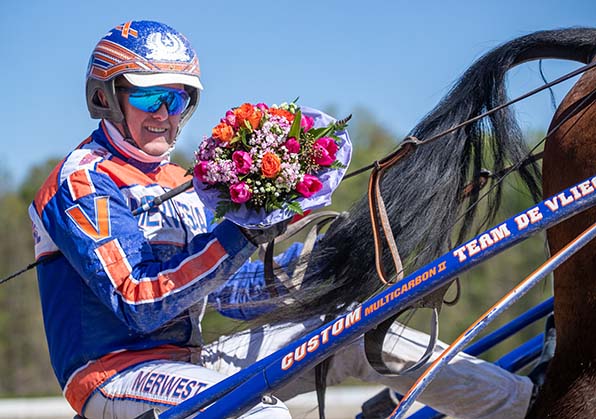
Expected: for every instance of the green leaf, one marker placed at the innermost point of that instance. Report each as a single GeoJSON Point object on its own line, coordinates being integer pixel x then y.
{"type": "Point", "coordinates": [330, 130]}
{"type": "Point", "coordinates": [272, 203]}
{"type": "Point", "coordinates": [247, 125]}
{"type": "Point", "coordinates": [295, 128]}
{"type": "Point", "coordinates": [321, 132]}
{"type": "Point", "coordinates": [295, 207]}
{"type": "Point", "coordinates": [337, 165]}
{"type": "Point", "coordinates": [223, 207]}
{"type": "Point", "coordinates": [342, 124]}
{"type": "Point", "coordinates": [243, 137]}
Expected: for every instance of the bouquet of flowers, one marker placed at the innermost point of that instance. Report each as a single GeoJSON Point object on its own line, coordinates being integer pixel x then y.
{"type": "Point", "coordinates": [263, 164]}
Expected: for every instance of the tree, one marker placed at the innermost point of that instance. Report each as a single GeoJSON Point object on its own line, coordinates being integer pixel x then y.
{"type": "Point", "coordinates": [22, 339]}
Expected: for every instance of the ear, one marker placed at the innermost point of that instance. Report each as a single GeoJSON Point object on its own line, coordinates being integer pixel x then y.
{"type": "Point", "coordinates": [102, 98]}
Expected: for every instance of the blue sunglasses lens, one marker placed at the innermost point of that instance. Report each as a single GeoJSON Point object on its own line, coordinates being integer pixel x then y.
{"type": "Point", "coordinates": [150, 99]}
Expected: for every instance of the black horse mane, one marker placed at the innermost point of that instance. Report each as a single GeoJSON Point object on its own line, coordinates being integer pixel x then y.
{"type": "Point", "coordinates": [423, 192]}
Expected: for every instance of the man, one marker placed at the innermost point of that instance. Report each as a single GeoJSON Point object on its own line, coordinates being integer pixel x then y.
{"type": "Point", "coordinates": [123, 297]}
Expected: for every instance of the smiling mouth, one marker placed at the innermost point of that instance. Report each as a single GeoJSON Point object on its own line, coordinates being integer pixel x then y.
{"type": "Point", "coordinates": [156, 130]}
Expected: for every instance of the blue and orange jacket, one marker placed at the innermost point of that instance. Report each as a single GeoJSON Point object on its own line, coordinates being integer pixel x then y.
{"type": "Point", "coordinates": [116, 289]}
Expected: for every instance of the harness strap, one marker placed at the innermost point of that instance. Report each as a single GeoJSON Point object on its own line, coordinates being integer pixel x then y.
{"type": "Point", "coordinates": [273, 270]}
{"type": "Point", "coordinates": [485, 174]}
{"type": "Point", "coordinates": [321, 371]}
{"type": "Point", "coordinates": [374, 339]}
{"type": "Point", "coordinates": [378, 211]}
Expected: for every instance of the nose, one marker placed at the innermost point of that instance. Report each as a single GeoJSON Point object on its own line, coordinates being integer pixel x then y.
{"type": "Point", "coordinates": [162, 113]}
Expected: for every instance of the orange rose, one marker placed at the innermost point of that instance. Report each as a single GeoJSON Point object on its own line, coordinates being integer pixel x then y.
{"type": "Point", "coordinates": [282, 112]}
{"type": "Point", "coordinates": [247, 112]}
{"type": "Point", "coordinates": [270, 165]}
{"type": "Point", "coordinates": [243, 111]}
{"type": "Point", "coordinates": [223, 132]}
{"type": "Point", "coordinates": [255, 118]}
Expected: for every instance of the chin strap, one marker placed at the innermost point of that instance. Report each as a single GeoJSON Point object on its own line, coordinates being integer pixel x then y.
{"type": "Point", "coordinates": [126, 142]}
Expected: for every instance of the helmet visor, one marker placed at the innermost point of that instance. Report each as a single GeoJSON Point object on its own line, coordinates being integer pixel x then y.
{"type": "Point", "coordinates": [150, 99]}
{"type": "Point", "coordinates": [156, 79]}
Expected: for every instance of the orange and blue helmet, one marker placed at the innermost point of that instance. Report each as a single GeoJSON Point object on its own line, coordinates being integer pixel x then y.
{"type": "Point", "coordinates": [145, 53]}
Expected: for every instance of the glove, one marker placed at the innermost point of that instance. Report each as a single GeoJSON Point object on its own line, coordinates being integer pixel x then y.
{"type": "Point", "coordinates": [260, 236]}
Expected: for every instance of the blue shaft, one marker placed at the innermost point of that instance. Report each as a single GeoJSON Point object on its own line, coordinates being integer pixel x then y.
{"type": "Point", "coordinates": [238, 393]}
{"type": "Point", "coordinates": [513, 361]}
{"type": "Point", "coordinates": [520, 290]}
{"type": "Point", "coordinates": [511, 328]}
{"type": "Point", "coordinates": [522, 355]}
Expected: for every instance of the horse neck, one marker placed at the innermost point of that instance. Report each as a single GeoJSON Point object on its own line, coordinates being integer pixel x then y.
{"type": "Point", "coordinates": [569, 158]}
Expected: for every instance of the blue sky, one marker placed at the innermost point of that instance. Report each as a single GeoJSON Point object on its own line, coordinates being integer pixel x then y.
{"type": "Point", "coordinates": [394, 58]}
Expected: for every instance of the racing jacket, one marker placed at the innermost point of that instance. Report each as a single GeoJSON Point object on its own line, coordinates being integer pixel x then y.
{"type": "Point", "coordinates": [116, 289]}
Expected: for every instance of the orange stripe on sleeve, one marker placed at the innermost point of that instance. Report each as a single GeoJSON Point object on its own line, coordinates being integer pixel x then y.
{"type": "Point", "coordinates": [135, 291]}
{"type": "Point", "coordinates": [114, 261]}
{"type": "Point", "coordinates": [80, 185]}
{"type": "Point", "coordinates": [51, 184]}
{"type": "Point", "coordinates": [194, 267]}
{"type": "Point", "coordinates": [48, 189]}
{"type": "Point", "coordinates": [123, 174]}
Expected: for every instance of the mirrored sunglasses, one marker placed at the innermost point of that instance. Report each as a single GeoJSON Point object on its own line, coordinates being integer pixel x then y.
{"type": "Point", "coordinates": [150, 99]}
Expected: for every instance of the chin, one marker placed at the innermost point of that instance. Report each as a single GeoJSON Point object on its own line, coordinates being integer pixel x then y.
{"type": "Point", "coordinates": [157, 147]}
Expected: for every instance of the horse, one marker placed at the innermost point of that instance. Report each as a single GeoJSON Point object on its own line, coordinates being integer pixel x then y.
{"type": "Point", "coordinates": [427, 213]}
{"type": "Point", "coordinates": [569, 156]}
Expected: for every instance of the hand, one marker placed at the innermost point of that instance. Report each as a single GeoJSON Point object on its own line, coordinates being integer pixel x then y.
{"type": "Point", "coordinates": [265, 235]}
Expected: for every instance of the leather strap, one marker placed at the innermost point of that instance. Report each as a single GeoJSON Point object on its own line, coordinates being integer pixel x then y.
{"type": "Point", "coordinates": [374, 339]}
{"type": "Point", "coordinates": [273, 270]}
{"type": "Point", "coordinates": [378, 212]}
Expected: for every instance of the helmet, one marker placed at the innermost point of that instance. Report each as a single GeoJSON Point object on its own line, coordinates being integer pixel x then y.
{"type": "Point", "coordinates": [146, 53]}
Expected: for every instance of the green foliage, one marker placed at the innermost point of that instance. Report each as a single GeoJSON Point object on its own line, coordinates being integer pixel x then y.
{"type": "Point", "coordinates": [183, 160]}
{"type": "Point", "coordinates": [35, 179]}
{"type": "Point", "coordinates": [26, 370]}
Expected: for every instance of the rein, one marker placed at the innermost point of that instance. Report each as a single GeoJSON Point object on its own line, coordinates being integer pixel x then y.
{"type": "Point", "coordinates": [375, 337]}
{"type": "Point", "coordinates": [383, 164]}
{"type": "Point", "coordinates": [378, 214]}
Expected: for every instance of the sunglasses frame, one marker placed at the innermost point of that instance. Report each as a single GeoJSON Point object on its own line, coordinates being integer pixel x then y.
{"type": "Point", "coordinates": [162, 97]}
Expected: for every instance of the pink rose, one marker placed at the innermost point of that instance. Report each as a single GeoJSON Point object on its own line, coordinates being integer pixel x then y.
{"type": "Point", "coordinates": [262, 106]}
{"type": "Point", "coordinates": [242, 161]}
{"type": "Point", "coordinates": [306, 122]}
{"type": "Point", "coordinates": [239, 193]}
{"type": "Point", "coordinates": [292, 145]}
{"type": "Point", "coordinates": [309, 186]}
{"type": "Point", "coordinates": [325, 149]}
{"type": "Point", "coordinates": [200, 171]}
{"type": "Point", "coordinates": [230, 119]}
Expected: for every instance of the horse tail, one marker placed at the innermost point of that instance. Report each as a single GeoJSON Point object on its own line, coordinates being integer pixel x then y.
{"type": "Point", "coordinates": [423, 192]}
{"type": "Point", "coordinates": [432, 180]}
